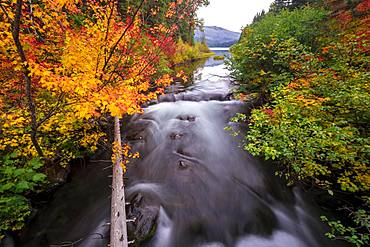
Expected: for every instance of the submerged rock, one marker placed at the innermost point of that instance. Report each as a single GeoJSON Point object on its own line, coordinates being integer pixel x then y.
{"type": "Point", "coordinates": [142, 219]}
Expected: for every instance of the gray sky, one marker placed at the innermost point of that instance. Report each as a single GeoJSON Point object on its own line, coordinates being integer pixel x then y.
{"type": "Point", "coordinates": [232, 14]}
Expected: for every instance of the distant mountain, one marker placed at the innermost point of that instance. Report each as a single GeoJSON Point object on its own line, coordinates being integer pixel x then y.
{"type": "Point", "coordinates": [217, 36]}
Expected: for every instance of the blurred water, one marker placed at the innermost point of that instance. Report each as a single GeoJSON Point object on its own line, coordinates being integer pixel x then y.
{"type": "Point", "coordinates": [193, 185]}
{"type": "Point", "coordinates": [199, 184]}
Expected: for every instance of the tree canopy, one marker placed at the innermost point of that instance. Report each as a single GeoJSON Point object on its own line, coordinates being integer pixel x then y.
{"type": "Point", "coordinates": [67, 66]}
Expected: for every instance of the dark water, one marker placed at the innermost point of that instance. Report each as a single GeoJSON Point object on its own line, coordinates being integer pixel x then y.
{"type": "Point", "coordinates": [192, 186]}
{"type": "Point", "coordinates": [78, 214]}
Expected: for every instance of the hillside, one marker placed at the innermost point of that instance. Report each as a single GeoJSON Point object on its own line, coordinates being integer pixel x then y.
{"type": "Point", "coordinates": [217, 36]}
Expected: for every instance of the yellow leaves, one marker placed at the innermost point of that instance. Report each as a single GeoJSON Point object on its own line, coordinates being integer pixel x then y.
{"type": "Point", "coordinates": [6, 40]}
{"type": "Point", "coordinates": [347, 185]}
{"type": "Point", "coordinates": [115, 110]}
{"type": "Point", "coordinates": [309, 101]}
{"type": "Point", "coordinates": [70, 73]}
{"type": "Point", "coordinates": [133, 110]}
{"type": "Point", "coordinates": [83, 110]}
{"type": "Point", "coordinates": [136, 155]}
{"type": "Point", "coordinates": [153, 12]}
{"type": "Point", "coordinates": [14, 134]}
{"type": "Point", "coordinates": [166, 80]}
{"type": "Point", "coordinates": [314, 169]}
{"type": "Point", "coordinates": [80, 54]}
{"type": "Point", "coordinates": [181, 74]}
{"type": "Point", "coordinates": [59, 4]}
{"type": "Point", "coordinates": [161, 28]}
{"type": "Point", "coordinates": [123, 154]}
{"type": "Point", "coordinates": [303, 82]}
{"type": "Point", "coordinates": [90, 141]}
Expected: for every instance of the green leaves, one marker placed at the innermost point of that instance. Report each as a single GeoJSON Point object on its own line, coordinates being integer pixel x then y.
{"type": "Point", "coordinates": [313, 80]}
{"type": "Point", "coordinates": [273, 49]}
{"type": "Point", "coordinates": [351, 234]}
{"type": "Point", "coordinates": [18, 178]}
{"type": "Point", "coordinates": [39, 177]}
{"type": "Point", "coordinates": [14, 210]}
{"type": "Point", "coordinates": [35, 163]}
{"type": "Point", "coordinates": [21, 186]}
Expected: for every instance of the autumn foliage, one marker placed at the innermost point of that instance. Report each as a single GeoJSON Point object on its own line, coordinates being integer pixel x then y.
{"type": "Point", "coordinates": [67, 66]}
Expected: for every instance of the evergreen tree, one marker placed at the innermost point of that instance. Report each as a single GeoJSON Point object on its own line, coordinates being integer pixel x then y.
{"type": "Point", "coordinates": [299, 3]}
{"type": "Point", "coordinates": [279, 5]}
{"type": "Point", "coordinates": [259, 16]}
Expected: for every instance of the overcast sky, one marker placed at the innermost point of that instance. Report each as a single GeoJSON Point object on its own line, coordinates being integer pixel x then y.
{"type": "Point", "coordinates": [232, 14]}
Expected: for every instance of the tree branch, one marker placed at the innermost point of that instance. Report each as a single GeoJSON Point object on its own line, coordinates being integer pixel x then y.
{"type": "Point", "coordinates": [52, 111]}
{"type": "Point", "coordinates": [121, 37]}
{"type": "Point", "coordinates": [6, 13]}
{"type": "Point", "coordinates": [27, 77]}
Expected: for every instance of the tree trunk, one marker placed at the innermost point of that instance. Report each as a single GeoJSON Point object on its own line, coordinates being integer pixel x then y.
{"type": "Point", "coordinates": [27, 77]}
{"type": "Point", "coordinates": [118, 230]}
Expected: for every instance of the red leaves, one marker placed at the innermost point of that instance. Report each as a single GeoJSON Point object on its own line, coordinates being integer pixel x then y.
{"type": "Point", "coordinates": [325, 50]}
{"type": "Point", "coordinates": [364, 6]}
{"type": "Point", "coordinates": [320, 59]}
{"type": "Point", "coordinates": [269, 112]}
{"type": "Point", "coordinates": [344, 17]}
{"type": "Point", "coordinates": [169, 46]}
{"type": "Point", "coordinates": [293, 85]}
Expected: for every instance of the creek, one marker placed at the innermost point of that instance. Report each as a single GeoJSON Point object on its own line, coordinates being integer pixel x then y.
{"type": "Point", "coordinates": [193, 185]}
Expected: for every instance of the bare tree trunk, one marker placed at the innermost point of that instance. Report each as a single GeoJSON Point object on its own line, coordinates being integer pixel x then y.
{"type": "Point", "coordinates": [118, 230]}
{"type": "Point", "coordinates": [27, 77]}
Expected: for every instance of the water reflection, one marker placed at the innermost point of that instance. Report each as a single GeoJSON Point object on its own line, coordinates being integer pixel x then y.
{"type": "Point", "coordinates": [206, 75]}
{"type": "Point", "coordinates": [219, 51]}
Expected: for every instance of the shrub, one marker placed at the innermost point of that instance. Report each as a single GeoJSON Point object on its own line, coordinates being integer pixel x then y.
{"type": "Point", "coordinates": [314, 120]}
{"type": "Point", "coordinates": [186, 52]}
{"type": "Point", "coordinates": [263, 57]}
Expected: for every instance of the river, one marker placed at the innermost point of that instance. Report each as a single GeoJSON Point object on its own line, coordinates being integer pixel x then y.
{"type": "Point", "coordinates": [193, 185]}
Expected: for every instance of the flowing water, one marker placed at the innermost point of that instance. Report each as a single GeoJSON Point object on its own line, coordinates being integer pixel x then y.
{"type": "Point", "coordinates": [193, 185]}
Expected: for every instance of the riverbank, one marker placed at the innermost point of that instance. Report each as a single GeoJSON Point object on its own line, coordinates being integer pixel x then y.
{"type": "Point", "coordinates": [309, 70]}
{"type": "Point", "coordinates": [187, 53]}
{"type": "Point", "coordinates": [192, 185]}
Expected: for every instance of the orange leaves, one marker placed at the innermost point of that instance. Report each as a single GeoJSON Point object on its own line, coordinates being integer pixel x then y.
{"type": "Point", "coordinates": [306, 102]}
{"type": "Point", "coordinates": [70, 5]}
{"type": "Point", "coordinates": [126, 155]}
{"type": "Point", "coordinates": [303, 82]}
{"type": "Point", "coordinates": [364, 6]}
{"type": "Point", "coordinates": [164, 81]}
{"type": "Point", "coordinates": [242, 97]}
{"type": "Point", "coordinates": [181, 75]}
{"type": "Point", "coordinates": [345, 16]}
{"type": "Point", "coordinates": [309, 100]}
{"type": "Point", "coordinates": [293, 85]}
{"type": "Point", "coordinates": [325, 50]}
{"type": "Point", "coordinates": [171, 10]}
{"type": "Point", "coordinates": [85, 62]}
